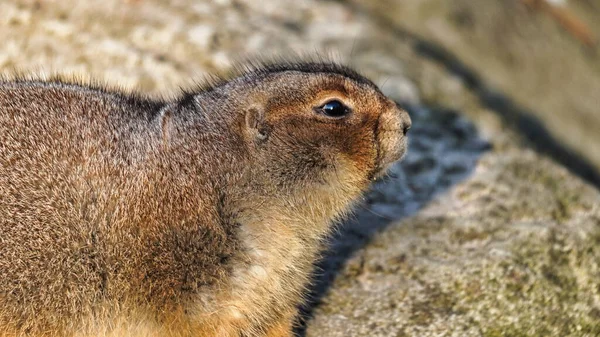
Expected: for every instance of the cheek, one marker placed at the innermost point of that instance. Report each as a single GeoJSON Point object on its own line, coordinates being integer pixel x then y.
{"type": "Point", "coordinates": [361, 149]}
{"type": "Point", "coordinates": [294, 155]}
{"type": "Point", "coordinates": [309, 152]}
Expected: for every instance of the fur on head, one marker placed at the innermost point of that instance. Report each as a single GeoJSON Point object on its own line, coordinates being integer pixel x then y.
{"type": "Point", "coordinates": [318, 120]}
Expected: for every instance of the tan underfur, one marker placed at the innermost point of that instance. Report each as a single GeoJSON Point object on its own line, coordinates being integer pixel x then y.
{"type": "Point", "coordinates": [283, 240]}
{"type": "Point", "coordinates": [127, 217]}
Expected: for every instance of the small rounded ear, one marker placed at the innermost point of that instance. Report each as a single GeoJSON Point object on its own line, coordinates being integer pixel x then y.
{"type": "Point", "coordinates": [255, 123]}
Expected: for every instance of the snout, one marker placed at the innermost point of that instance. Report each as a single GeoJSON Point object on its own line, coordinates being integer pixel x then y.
{"type": "Point", "coordinates": [392, 133]}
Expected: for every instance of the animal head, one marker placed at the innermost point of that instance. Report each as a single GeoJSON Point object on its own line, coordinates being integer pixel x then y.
{"type": "Point", "coordinates": [313, 122]}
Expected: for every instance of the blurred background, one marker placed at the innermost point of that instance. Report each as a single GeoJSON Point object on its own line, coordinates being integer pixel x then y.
{"type": "Point", "coordinates": [491, 225]}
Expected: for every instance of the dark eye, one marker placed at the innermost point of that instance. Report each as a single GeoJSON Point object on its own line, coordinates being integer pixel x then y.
{"type": "Point", "coordinates": [334, 109]}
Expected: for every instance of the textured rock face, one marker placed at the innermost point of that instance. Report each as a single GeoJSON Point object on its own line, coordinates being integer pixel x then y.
{"type": "Point", "coordinates": [473, 234]}
{"type": "Point", "coordinates": [511, 251]}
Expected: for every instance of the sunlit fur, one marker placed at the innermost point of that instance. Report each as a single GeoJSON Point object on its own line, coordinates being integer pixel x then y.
{"type": "Point", "coordinates": [198, 216]}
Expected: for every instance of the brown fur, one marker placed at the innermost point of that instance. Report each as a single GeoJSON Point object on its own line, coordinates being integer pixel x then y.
{"type": "Point", "coordinates": [201, 216]}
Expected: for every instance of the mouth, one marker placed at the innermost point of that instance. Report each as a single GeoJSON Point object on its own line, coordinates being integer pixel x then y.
{"type": "Point", "coordinates": [392, 147]}
{"type": "Point", "coordinates": [379, 172]}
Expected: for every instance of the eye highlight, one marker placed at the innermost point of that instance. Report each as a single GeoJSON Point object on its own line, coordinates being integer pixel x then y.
{"type": "Point", "coordinates": [334, 109]}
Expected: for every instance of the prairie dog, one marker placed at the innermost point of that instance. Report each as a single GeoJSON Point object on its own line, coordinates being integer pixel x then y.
{"type": "Point", "coordinates": [122, 215]}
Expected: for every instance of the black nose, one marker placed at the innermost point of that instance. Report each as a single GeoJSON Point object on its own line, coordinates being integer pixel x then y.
{"type": "Point", "coordinates": [404, 118]}
{"type": "Point", "coordinates": [406, 123]}
{"type": "Point", "coordinates": [406, 128]}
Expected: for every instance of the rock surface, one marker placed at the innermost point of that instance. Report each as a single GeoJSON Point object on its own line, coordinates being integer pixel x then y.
{"type": "Point", "coordinates": [474, 234]}
{"type": "Point", "coordinates": [513, 250]}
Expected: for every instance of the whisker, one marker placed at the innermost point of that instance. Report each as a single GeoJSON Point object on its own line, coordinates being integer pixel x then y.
{"type": "Point", "coordinates": [384, 82]}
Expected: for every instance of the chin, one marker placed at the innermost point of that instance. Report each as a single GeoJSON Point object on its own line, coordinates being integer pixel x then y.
{"type": "Point", "coordinates": [381, 171]}
{"type": "Point", "coordinates": [383, 167]}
